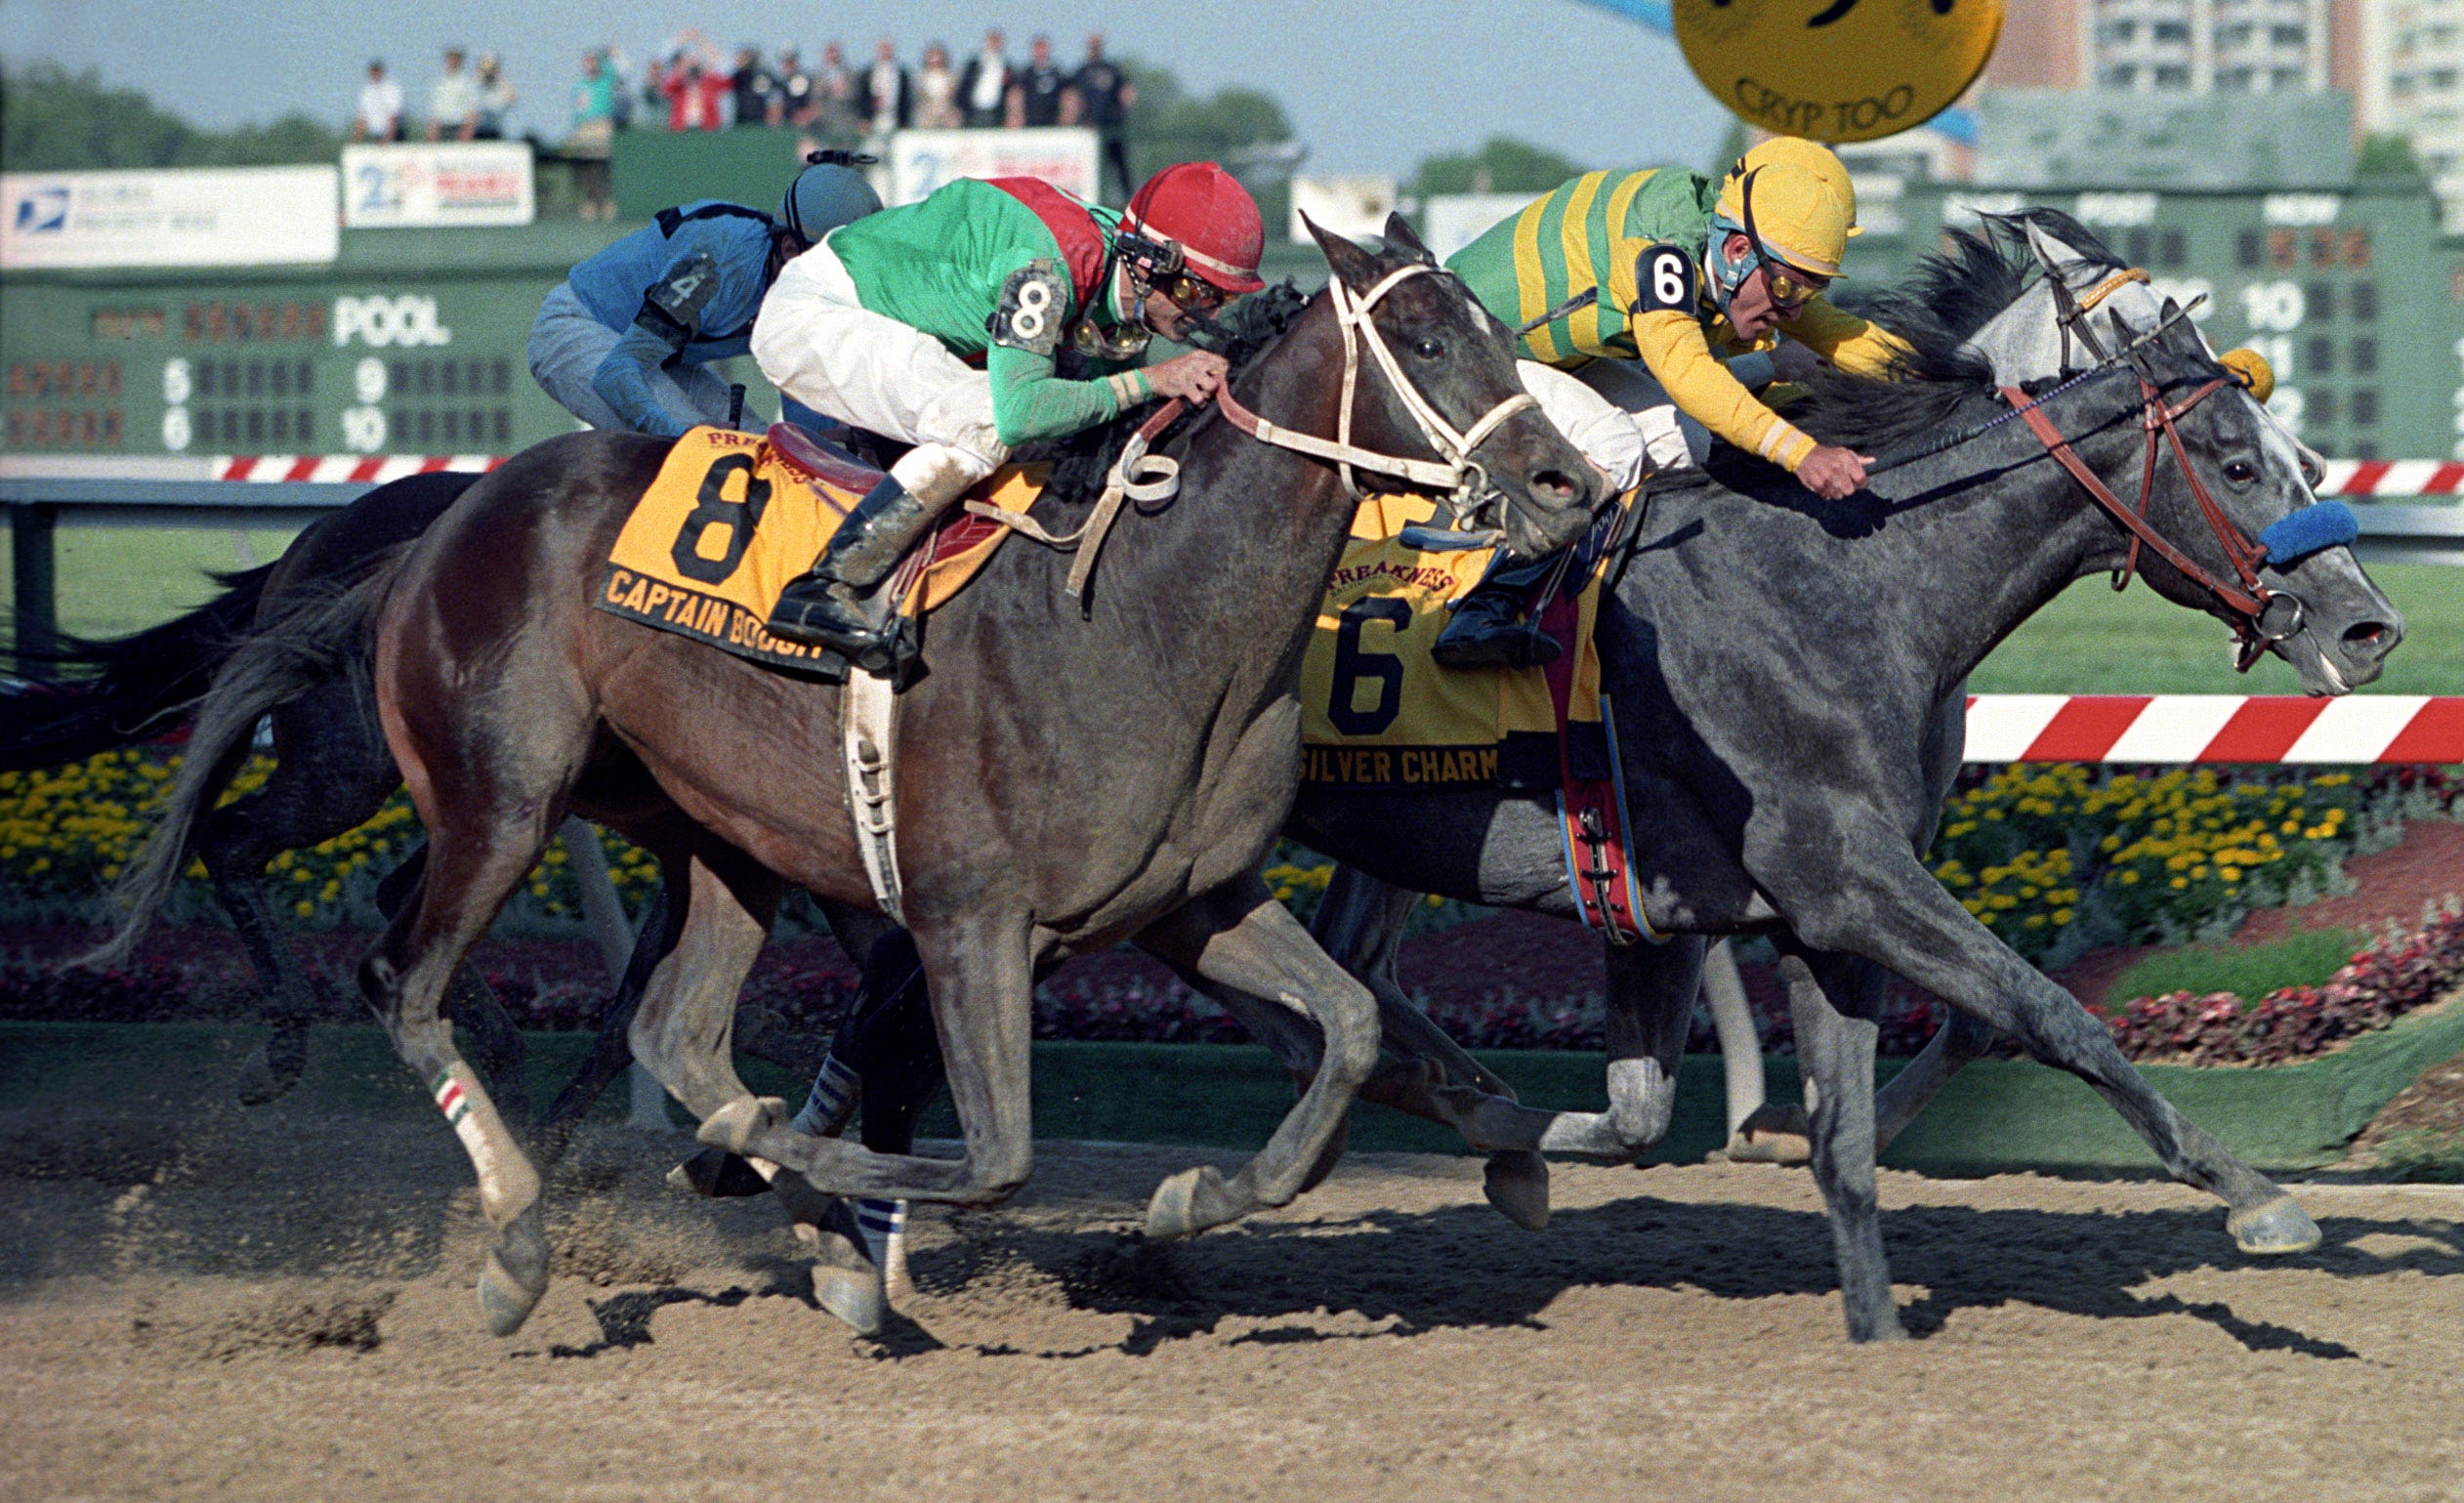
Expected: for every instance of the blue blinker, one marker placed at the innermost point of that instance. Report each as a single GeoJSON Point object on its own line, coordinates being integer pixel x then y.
{"type": "Point", "coordinates": [2312, 529]}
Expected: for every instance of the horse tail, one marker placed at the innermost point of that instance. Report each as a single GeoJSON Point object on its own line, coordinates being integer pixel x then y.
{"type": "Point", "coordinates": [323, 633]}
{"type": "Point", "coordinates": [120, 690]}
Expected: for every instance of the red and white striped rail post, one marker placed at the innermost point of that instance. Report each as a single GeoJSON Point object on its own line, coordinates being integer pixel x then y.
{"type": "Point", "coordinates": [2215, 728]}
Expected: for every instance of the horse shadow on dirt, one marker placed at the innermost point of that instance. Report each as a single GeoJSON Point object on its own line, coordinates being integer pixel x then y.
{"type": "Point", "coordinates": [1416, 1273]}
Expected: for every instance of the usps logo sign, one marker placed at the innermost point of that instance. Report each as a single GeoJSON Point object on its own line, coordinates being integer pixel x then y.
{"type": "Point", "coordinates": [447, 183]}
{"type": "Point", "coordinates": [41, 210]}
{"type": "Point", "coordinates": [205, 217]}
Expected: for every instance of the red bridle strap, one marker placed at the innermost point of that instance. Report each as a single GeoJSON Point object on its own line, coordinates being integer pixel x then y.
{"type": "Point", "coordinates": [2247, 599]}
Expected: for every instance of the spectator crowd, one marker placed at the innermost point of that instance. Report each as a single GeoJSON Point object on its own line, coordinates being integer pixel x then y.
{"type": "Point", "coordinates": [692, 85]}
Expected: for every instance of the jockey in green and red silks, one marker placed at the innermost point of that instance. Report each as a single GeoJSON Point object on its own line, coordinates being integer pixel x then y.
{"type": "Point", "coordinates": [878, 325]}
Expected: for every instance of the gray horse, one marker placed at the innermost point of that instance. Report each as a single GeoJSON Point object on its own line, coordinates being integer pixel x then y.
{"type": "Point", "coordinates": [1788, 678]}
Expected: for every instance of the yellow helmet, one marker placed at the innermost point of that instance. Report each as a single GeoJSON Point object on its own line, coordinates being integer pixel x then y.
{"type": "Point", "coordinates": [1804, 205]}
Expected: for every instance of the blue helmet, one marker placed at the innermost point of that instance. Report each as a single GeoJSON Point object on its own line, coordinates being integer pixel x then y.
{"type": "Point", "coordinates": [830, 192]}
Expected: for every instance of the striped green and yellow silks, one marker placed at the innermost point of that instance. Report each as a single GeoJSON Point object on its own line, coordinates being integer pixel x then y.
{"type": "Point", "coordinates": [1585, 234]}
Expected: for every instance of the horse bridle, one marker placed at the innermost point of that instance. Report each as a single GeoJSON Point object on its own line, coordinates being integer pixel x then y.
{"type": "Point", "coordinates": [1456, 472]}
{"type": "Point", "coordinates": [2259, 616]}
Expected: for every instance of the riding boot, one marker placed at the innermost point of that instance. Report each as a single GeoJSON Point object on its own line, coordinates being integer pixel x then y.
{"type": "Point", "coordinates": [839, 604]}
{"type": "Point", "coordinates": [1487, 630]}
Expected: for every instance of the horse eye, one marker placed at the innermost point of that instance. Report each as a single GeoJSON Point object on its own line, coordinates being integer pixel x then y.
{"type": "Point", "coordinates": [1427, 349]}
{"type": "Point", "coordinates": [2240, 471]}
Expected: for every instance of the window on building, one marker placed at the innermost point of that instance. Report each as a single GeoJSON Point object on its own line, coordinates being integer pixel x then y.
{"type": "Point", "coordinates": [2288, 78]}
{"type": "Point", "coordinates": [2365, 407]}
{"type": "Point", "coordinates": [2285, 36]}
{"type": "Point", "coordinates": [2245, 248]}
{"type": "Point", "coordinates": [2365, 301]}
{"type": "Point", "coordinates": [2321, 356]}
{"type": "Point", "coordinates": [2230, 80]}
{"type": "Point", "coordinates": [2363, 354]}
{"type": "Point", "coordinates": [2169, 31]}
{"type": "Point", "coordinates": [2173, 248]}
{"type": "Point", "coordinates": [2173, 77]}
{"type": "Point", "coordinates": [2120, 76]}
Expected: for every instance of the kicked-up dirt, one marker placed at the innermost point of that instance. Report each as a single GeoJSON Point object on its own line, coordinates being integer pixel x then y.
{"type": "Point", "coordinates": [202, 1301]}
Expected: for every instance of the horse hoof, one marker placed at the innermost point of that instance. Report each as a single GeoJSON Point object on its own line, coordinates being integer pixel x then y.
{"type": "Point", "coordinates": [1773, 1134]}
{"type": "Point", "coordinates": [715, 1174]}
{"type": "Point", "coordinates": [268, 1075]}
{"type": "Point", "coordinates": [515, 1276]}
{"type": "Point", "coordinates": [2278, 1226]}
{"type": "Point", "coordinates": [1518, 1185]}
{"type": "Point", "coordinates": [1187, 1203]}
{"type": "Point", "coordinates": [1885, 1326]}
{"type": "Point", "coordinates": [854, 1296]}
{"type": "Point", "coordinates": [734, 1126]}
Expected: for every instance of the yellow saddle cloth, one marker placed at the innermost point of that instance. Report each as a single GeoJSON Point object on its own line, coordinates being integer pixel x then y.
{"type": "Point", "coordinates": [732, 518]}
{"type": "Point", "coordinates": [1378, 712]}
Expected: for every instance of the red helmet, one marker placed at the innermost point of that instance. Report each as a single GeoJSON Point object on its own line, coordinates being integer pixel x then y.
{"type": "Point", "coordinates": [1203, 210]}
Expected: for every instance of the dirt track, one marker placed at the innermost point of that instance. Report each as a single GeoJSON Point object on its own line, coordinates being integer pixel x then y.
{"type": "Point", "coordinates": [253, 1307]}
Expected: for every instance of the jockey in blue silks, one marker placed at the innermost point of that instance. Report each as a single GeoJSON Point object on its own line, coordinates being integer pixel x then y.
{"type": "Point", "coordinates": [626, 340]}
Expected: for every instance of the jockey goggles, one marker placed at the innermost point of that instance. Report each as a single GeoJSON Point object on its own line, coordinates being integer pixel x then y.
{"type": "Point", "coordinates": [1159, 265]}
{"type": "Point", "coordinates": [1789, 287]}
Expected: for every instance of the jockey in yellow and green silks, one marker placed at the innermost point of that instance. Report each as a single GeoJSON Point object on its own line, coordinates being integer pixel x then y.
{"type": "Point", "coordinates": [1691, 280]}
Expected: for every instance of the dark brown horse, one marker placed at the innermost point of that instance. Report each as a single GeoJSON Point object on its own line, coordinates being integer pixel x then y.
{"type": "Point", "coordinates": [1070, 780]}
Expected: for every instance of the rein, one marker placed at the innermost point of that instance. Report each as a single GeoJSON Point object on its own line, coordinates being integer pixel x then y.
{"type": "Point", "coordinates": [1456, 472]}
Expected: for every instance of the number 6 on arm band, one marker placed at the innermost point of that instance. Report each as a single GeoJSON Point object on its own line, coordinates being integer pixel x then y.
{"type": "Point", "coordinates": [1665, 280]}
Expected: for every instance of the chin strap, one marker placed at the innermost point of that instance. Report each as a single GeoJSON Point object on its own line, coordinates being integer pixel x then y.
{"type": "Point", "coordinates": [1455, 471]}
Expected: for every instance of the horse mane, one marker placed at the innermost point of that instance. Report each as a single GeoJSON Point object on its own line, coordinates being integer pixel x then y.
{"type": "Point", "coordinates": [1951, 294]}
{"type": "Point", "coordinates": [1242, 332]}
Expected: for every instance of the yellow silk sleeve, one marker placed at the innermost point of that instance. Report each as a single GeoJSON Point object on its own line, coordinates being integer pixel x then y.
{"type": "Point", "coordinates": [1852, 344]}
{"type": "Point", "coordinates": [1679, 354]}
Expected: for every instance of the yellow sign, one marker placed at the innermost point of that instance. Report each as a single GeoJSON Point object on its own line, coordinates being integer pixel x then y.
{"type": "Point", "coordinates": [1837, 69]}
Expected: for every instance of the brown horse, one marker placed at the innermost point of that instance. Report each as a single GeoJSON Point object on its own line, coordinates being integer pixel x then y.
{"type": "Point", "coordinates": [1072, 777]}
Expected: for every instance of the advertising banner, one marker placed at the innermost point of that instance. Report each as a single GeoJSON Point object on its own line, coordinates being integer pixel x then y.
{"type": "Point", "coordinates": [1063, 155]}
{"type": "Point", "coordinates": [1352, 206]}
{"type": "Point", "coordinates": [1452, 221]}
{"type": "Point", "coordinates": [174, 217]}
{"type": "Point", "coordinates": [441, 183]}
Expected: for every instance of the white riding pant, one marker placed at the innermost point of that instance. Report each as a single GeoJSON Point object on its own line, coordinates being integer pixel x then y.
{"type": "Point", "coordinates": [567, 346]}
{"type": "Point", "coordinates": [1617, 413]}
{"type": "Point", "coordinates": [819, 343]}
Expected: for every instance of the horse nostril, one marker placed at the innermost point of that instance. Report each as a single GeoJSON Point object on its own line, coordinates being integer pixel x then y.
{"type": "Point", "coordinates": [1556, 484]}
{"type": "Point", "coordinates": [2373, 637]}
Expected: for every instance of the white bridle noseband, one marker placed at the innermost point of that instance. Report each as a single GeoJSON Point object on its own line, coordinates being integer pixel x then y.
{"type": "Point", "coordinates": [1457, 472]}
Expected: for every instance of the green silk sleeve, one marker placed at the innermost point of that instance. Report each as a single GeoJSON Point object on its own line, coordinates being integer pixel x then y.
{"type": "Point", "coordinates": [1031, 401]}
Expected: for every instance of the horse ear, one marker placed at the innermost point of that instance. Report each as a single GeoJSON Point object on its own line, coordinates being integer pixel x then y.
{"type": "Point", "coordinates": [1347, 261]}
{"type": "Point", "coordinates": [1402, 241]}
{"type": "Point", "coordinates": [2051, 253]}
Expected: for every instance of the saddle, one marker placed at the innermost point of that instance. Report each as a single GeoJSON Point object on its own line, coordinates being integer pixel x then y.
{"type": "Point", "coordinates": [732, 518]}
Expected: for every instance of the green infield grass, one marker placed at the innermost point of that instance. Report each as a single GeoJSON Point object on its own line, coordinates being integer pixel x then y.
{"type": "Point", "coordinates": [2091, 641]}
{"type": "Point", "coordinates": [2308, 958]}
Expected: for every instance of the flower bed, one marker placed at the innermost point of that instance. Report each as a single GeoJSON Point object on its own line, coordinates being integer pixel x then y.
{"type": "Point", "coordinates": [2394, 974]}
{"type": "Point", "coordinates": [2054, 858]}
